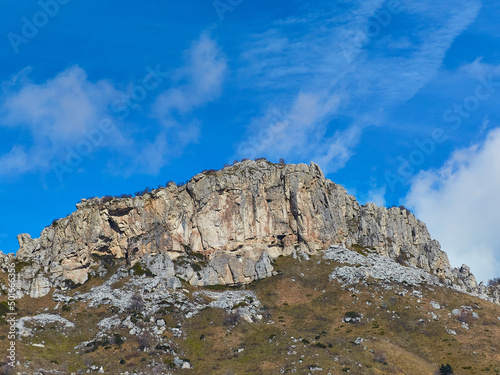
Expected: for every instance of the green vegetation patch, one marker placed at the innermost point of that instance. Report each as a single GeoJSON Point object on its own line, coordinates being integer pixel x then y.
{"type": "Point", "coordinates": [359, 249]}
{"type": "Point", "coordinates": [19, 264]}
{"type": "Point", "coordinates": [140, 270]}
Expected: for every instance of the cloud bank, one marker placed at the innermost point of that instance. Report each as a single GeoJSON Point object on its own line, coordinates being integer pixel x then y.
{"type": "Point", "coordinates": [460, 204]}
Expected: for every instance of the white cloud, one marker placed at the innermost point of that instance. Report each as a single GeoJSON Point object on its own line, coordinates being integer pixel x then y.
{"type": "Point", "coordinates": [203, 76]}
{"type": "Point", "coordinates": [196, 84]}
{"type": "Point", "coordinates": [16, 161]}
{"type": "Point", "coordinates": [461, 206]}
{"type": "Point", "coordinates": [150, 157]}
{"type": "Point", "coordinates": [338, 61]}
{"type": "Point", "coordinates": [377, 196]}
{"type": "Point", "coordinates": [301, 132]}
{"type": "Point", "coordinates": [57, 114]}
{"type": "Point", "coordinates": [334, 152]}
{"type": "Point", "coordinates": [62, 108]}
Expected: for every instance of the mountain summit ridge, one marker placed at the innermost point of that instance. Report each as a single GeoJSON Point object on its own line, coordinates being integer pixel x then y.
{"type": "Point", "coordinates": [226, 227]}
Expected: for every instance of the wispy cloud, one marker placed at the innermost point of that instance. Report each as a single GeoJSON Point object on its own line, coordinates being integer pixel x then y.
{"type": "Point", "coordinates": [361, 59]}
{"type": "Point", "coordinates": [199, 82]}
{"type": "Point", "coordinates": [459, 203]}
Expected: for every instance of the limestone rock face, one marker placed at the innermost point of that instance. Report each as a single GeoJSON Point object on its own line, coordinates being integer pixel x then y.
{"type": "Point", "coordinates": [465, 279]}
{"type": "Point", "coordinates": [235, 221]}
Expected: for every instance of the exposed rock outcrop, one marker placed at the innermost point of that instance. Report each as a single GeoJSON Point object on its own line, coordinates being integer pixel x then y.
{"type": "Point", "coordinates": [362, 265]}
{"type": "Point", "coordinates": [225, 227]}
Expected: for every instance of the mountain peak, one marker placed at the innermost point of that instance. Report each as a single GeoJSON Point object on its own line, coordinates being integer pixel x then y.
{"type": "Point", "coordinates": [237, 220]}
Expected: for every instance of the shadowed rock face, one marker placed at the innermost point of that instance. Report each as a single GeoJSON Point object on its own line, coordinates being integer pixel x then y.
{"type": "Point", "coordinates": [239, 219]}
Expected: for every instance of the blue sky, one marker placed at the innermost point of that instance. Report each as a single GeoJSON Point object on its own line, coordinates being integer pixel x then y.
{"type": "Point", "coordinates": [396, 100]}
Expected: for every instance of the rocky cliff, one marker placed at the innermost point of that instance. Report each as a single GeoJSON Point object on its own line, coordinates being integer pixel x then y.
{"type": "Point", "coordinates": [226, 227]}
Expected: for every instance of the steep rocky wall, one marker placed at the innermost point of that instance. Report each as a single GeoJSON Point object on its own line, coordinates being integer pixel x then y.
{"type": "Point", "coordinates": [238, 218]}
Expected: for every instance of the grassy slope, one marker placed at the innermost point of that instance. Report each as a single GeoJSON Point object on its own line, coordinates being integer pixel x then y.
{"type": "Point", "coordinates": [312, 308]}
{"type": "Point", "coordinates": [308, 330]}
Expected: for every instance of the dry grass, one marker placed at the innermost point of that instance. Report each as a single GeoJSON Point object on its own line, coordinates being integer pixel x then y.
{"type": "Point", "coordinates": [307, 312]}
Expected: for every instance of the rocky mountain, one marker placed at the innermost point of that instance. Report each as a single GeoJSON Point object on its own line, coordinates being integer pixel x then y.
{"type": "Point", "coordinates": [225, 227]}
{"type": "Point", "coordinates": [257, 268]}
